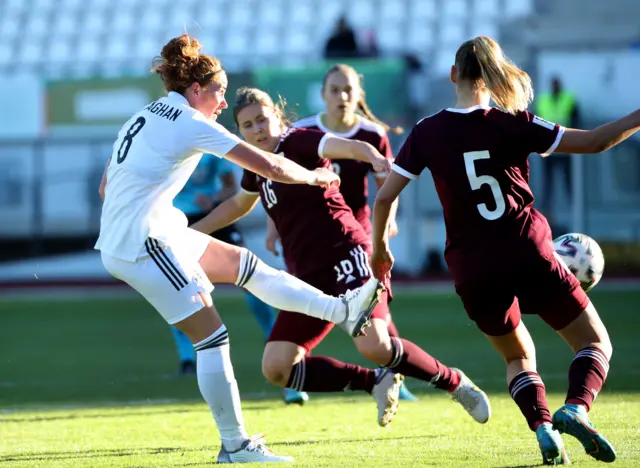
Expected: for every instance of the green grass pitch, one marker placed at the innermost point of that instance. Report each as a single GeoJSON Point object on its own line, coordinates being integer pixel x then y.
{"type": "Point", "coordinates": [93, 384]}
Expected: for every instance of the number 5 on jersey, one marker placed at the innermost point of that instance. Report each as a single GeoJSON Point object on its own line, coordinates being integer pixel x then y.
{"type": "Point", "coordinates": [477, 181]}
{"type": "Point", "coordinates": [269, 194]}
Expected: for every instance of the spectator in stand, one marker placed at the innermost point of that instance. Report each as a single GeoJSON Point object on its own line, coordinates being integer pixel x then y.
{"type": "Point", "coordinates": [342, 44]}
{"type": "Point", "coordinates": [561, 107]}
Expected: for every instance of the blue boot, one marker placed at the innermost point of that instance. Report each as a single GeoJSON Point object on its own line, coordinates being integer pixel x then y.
{"type": "Point", "coordinates": [406, 395]}
{"type": "Point", "coordinates": [574, 420]}
{"type": "Point", "coordinates": [551, 446]}
{"type": "Point", "coordinates": [292, 396]}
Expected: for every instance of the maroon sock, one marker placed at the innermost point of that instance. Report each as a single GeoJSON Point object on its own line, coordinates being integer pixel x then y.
{"type": "Point", "coordinates": [391, 328]}
{"type": "Point", "coordinates": [325, 374]}
{"type": "Point", "coordinates": [529, 393]}
{"type": "Point", "coordinates": [587, 374]}
{"type": "Point", "coordinates": [411, 360]}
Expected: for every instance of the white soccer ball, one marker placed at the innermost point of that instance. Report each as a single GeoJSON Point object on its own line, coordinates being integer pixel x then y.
{"type": "Point", "coordinates": [583, 256]}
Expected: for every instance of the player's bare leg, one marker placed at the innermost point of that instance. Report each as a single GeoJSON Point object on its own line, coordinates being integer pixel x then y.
{"type": "Point", "coordinates": [226, 263]}
{"type": "Point", "coordinates": [286, 364]}
{"type": "Point", "coordinates": [404, 357]}
{"type": "Point", "coordinates": [528, 391]}
{"type": "Point", "coordinates": [590, 342]}
{"type": "Point", "coordinates": [219, 387]}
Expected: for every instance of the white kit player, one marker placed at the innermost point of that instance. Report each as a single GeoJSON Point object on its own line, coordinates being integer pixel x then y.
{"type": "Point", "coordinates": [145, 242]}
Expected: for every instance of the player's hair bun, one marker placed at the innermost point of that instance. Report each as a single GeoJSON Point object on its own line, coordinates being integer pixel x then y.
{"type": "Point", "coordinates": [180, 63]}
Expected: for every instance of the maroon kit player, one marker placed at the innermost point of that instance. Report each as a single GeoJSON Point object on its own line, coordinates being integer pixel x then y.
{"type": "Point", "coordinates": [499, 248]}
{"type": "Point", "coordinates": [347, 115]}
{"type": "Point", "coordinates": [323, 243]}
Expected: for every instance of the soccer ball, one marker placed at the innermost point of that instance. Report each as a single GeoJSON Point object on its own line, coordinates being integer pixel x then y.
{"type": "Point", "coordinates": [583, 256]}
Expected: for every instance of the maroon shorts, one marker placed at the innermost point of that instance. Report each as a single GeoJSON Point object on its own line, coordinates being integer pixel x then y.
{"type": "Point", "coordinates": [350, 273]}
{"type": "Point", "coordinates": [542, 286]}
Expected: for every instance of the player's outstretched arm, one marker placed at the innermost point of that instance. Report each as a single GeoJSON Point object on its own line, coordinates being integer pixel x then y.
{"type": "Point", "coordinates": [278, 168]}
{"type": "Point", "coordinates": [381, 258]}
{"type": "Point", "coordinates": [599, 139]}
{"type": "Point", "coordinates": [333, 147]}
{"type": "Point", "coordinates": [228, 212]}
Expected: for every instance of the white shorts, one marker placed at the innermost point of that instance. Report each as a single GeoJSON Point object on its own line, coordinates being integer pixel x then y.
{"type": "Point", "coordinates": [169, 276]}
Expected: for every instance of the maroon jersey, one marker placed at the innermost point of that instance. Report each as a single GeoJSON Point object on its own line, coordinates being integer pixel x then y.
{"type": "Point", "coordinates": [478, 158]}
{"type": "Point", "coordinates": [315, 224]}
{"type": "Point", "coordinates": [353, 174]}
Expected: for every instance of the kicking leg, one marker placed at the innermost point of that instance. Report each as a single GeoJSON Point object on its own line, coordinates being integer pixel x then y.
{"type": "Point", "coordinates": [225, 263]}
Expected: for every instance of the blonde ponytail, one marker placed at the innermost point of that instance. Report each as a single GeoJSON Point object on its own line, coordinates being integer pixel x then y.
{"type": "Point", "coordinates": [482, 58]}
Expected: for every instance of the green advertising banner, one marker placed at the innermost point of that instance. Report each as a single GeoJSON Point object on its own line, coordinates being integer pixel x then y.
{"type": "Point", "coordinates": [384, 82]}
{"type": "Point", "coordinates": [108, 102]}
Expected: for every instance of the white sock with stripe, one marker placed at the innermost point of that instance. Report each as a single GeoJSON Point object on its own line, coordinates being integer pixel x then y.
{"type": "Point", "coordinates": [285, 292]}
{"type": "Point", "coordinates": [219, 387]}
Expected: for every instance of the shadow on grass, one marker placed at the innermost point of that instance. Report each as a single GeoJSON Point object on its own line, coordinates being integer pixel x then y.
{"type": "Point", "coordinates": [112, 453]}
{"type": "Point", "coordinates": [117, 414]}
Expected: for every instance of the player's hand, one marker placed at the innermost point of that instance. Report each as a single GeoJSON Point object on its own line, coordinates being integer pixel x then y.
{"type": "Point", "coordinates": [381, 263]}
{"type": "Point", "coordinates": [393, 228]}
{"type": "Point", "coordinates": [271, 241]}
{"type": "Point", "coordinates": [378, 161]}
{"type": "Point", "coordinates": [325, 178]}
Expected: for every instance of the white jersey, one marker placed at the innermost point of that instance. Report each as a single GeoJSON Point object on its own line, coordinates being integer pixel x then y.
{"type": "Point", "coordinates": [156, 152]}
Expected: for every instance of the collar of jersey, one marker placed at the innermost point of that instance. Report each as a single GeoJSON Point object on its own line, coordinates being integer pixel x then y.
{"type": "Point", "coordinates": [351, 133]}
{"type": "Point", "coordinates": [178, 97]}
{"type": "Point", "coordinates": [468, 110]}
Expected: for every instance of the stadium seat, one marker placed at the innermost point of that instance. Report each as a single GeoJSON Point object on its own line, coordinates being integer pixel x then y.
{"type": "Point", "coordinates": [485, 9]}
{"type": "Point", "coordinates": [518, 8]}
{"type": "Point", "coordinates": [117, 49]}
{"type": "Point", "coordinates": [269, 43]}
{"type": "Point", "coordinates": [454, 10]}
{"type": "Point", "coordinates": [124, 21]}
{"type": "Point", "coordinates": [302, 14]}
{"type": "Point", "coordinates": [89, 49]}
{"type": "Point", "coordinates": [362, 14]}
{"type": "Point", "coordinates": [241, 16]}
{"type": "Point", "coordinates": [270, 13]}
{"type": "Point", "coordinates": [421, 37]}
{"type": "Point", "coordinates": [151, 21]}
{"type": "Point", "coordinates": [64, 26]}
{"type": "Point", "coordinates": [393, 12]}
{"type": "Point", "coordinates": [298, 42]}
{"type": "Point", "coordinates": [60, 51]}
{"type": "Point", "coordinates": [9, 29]}
{"type": "Point", "coordinates": [328, 14]}
{"type": "Point", "coordinates": [424, 10]}
{"type": "Point", "coordinates": [485, 27]}
{"type": "Point", "coordinates": [30, 53]}
{"type": "Point", "coordinates": [441, 66]}
{"type": "Point", "coordinates": [6, 53]}
{"type": "Point", "coordinates": [452, 33]}
{"type": "Point", "coordinates": [37, 25]}
{"type": "Point", "coordinates": [93, 23]}
{"type": "Point", "coordinates": [390, 38]}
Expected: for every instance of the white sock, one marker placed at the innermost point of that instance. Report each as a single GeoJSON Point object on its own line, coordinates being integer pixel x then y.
{"type": "Point", "coordinates": [285, 292]}
{"type": "Point", "coordinates": [219, 387]}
